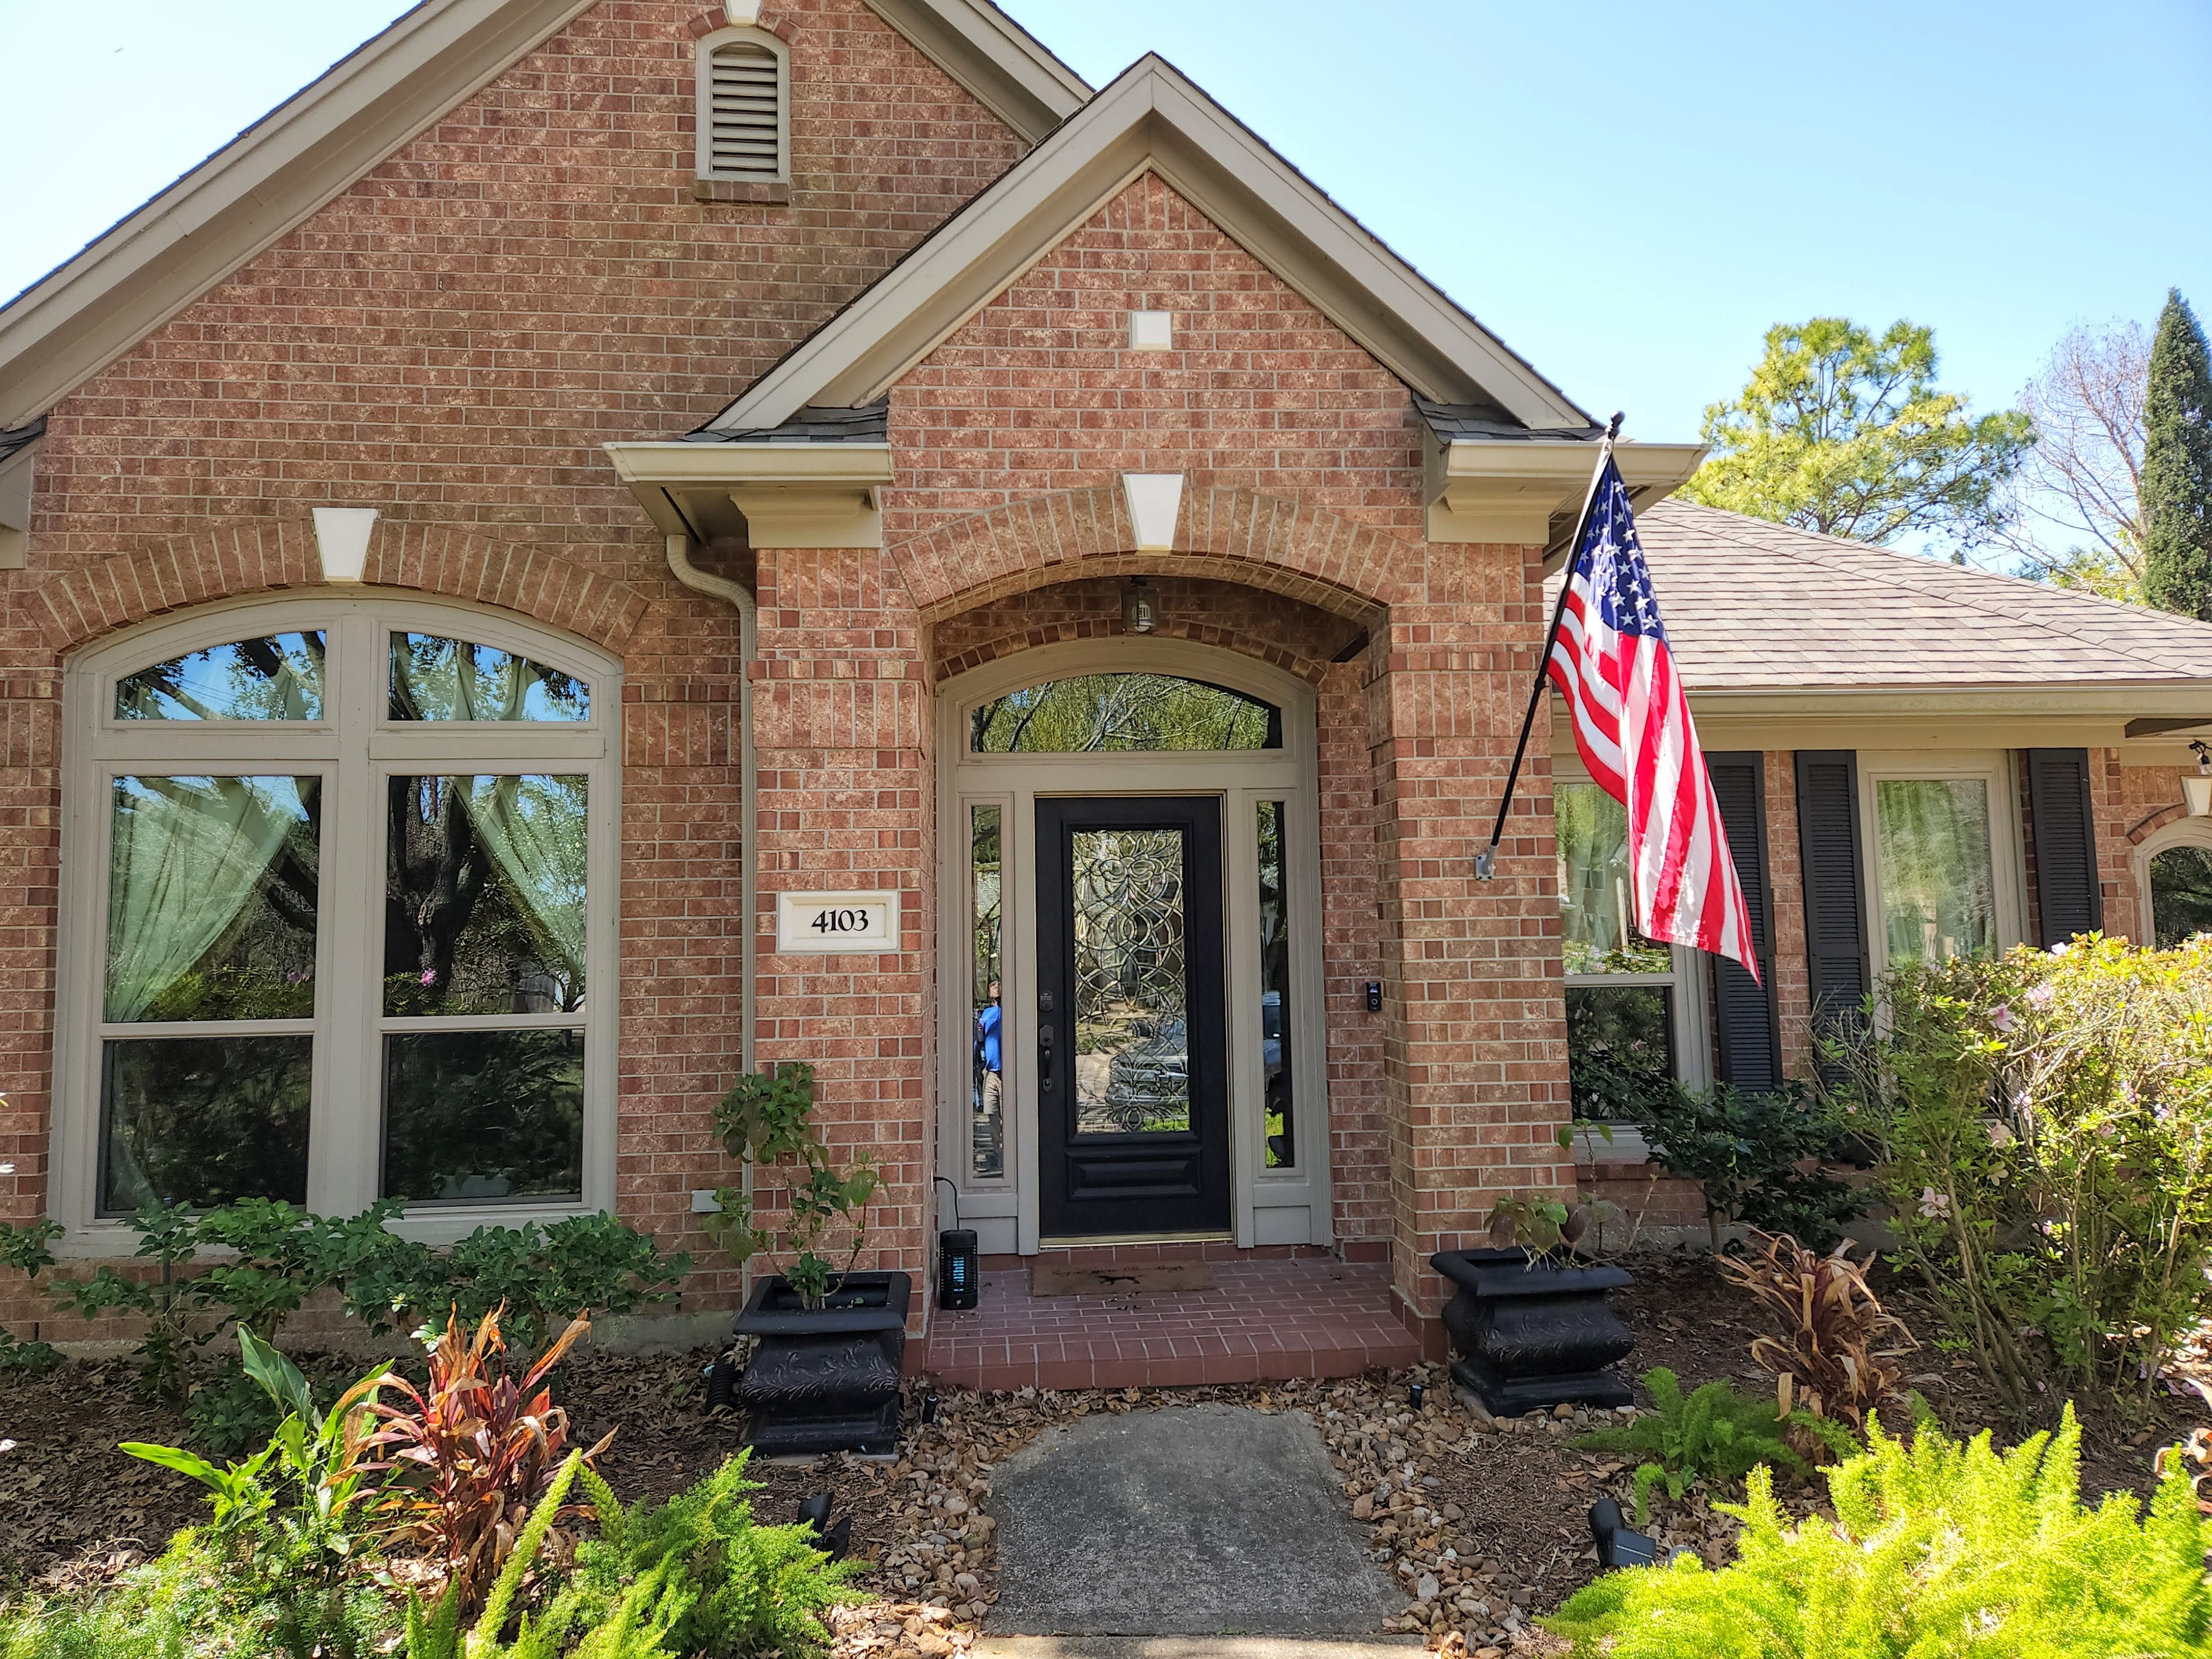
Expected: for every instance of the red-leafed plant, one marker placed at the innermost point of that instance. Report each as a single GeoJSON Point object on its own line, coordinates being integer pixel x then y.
{"type": "Point", "coordinates": [465, 1459]}
{"type": "Point", "coordinates": [1837, 1353]}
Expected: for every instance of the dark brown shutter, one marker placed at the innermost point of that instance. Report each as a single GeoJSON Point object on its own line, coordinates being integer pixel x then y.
{"type": "Point", "coordinates": [2067, 892]}
{"type": "Point", "coordinates": [1835, 917]}
{"type": "Point", "coordinates": [1747, 1041]}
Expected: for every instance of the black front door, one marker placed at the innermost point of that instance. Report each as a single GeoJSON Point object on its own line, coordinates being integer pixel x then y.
{"type": "Point", "coordinates": [1132, 1071]}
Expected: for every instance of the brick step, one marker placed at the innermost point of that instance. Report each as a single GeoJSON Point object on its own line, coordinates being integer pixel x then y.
{"type": "Point", "coordinates": [1195, 1647]}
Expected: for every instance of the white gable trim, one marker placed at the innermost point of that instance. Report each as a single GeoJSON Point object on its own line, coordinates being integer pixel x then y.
{"type": "Point", "coordinates": [1152, 118]}
{"type": "Point", "coordinates": [294, 162]}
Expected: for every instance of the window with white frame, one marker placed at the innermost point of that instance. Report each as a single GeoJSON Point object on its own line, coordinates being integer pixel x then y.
{"type": "Point", "coordinates": [341, 914]}
{"type": "Point", "coordinates": [744, 107]}
{"type": "Point", "coordinates": [2173, 873]}
{"type": "Point", "coordinates": [1943, 863]}
{"type": "Point", "coordinates": [1635, 1006]}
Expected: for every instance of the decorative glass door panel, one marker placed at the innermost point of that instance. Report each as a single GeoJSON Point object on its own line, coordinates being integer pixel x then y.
{"type": "Point", "coordinates": [1131, 1025]}
{"type": "Point", "coordinates": [1131, 1041]}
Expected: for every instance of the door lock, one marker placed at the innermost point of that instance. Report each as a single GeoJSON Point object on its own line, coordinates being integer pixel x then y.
{"type": "Point", "coordinates": [1044, 1059]}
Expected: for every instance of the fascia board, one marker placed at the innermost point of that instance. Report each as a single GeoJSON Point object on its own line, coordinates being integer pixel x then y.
{"type": "Point", "coordinates": [1643, 466]}
{"type": "Point", "coordinates": [720, 466]}
{"type": "Point", "coordinates": [1013, 75]}
{"type": "Point", "coordinates": [1150, 118]}
{"type": "Point", "coordinates": [279, 172]}
{"type": "Point", "coordinates": [2115, 699]}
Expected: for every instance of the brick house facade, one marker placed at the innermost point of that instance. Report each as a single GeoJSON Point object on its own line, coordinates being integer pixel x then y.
{"type": "Point", "coordinates": [516, 330]}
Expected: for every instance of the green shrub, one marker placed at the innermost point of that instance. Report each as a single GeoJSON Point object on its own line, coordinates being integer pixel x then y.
{"type": "Point", "coordinates": [1743, 1146]}
{"type": "Point", "coordinates": [1713, 1433]}
{"type": "Point", "coordinates": [191, 1604]}
{"type": "Point", "coordinates": [759, 1589]}
{"type": "Point", "coordinates": [2043, 1121]}
{"type": "Point", "coordinates": [25, 1250]}
{"type": "Point", "coordinates": [544, 1276]}
{"type": "Point", "coordinates": [1938, 1550]}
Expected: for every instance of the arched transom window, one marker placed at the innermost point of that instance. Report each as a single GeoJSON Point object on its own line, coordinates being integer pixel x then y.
{"type": "Point", "coordinates": [340, 915]}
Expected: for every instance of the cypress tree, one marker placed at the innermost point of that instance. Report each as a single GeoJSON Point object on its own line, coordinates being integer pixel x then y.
{"type": "Point", "coordinates": [2177, 466]}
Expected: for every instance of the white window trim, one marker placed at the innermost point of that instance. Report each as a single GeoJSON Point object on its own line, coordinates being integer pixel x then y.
{"type": "Point", "coordinates": [1999, 768]}
{"type": "Point", "coordinates": [1266, 1205]}
{"type": "Point", "coordinates": [355, 747]}
{"type": "Point", "coordinates": [2182, 832]}
{"type": "Point", "coordinates": [1691, 980]}
{"type": "Point", "coordinates": [703, 105]}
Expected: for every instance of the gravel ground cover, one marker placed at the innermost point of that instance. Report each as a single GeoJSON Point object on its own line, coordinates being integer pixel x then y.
{"type": "Point", "coordinates": [1481, 1524]}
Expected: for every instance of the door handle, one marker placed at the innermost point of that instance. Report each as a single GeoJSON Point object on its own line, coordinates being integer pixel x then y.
{"type": "Point", "coordinates": [1044, 1059]}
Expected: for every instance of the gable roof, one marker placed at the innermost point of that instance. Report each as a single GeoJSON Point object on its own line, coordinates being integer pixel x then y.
{"type": "Point", "coordinates": [291, 163]}
{"type": "Point", "coordinates": [1151, 117]}
{"type": "Point", "coordinates": [1752, 606]}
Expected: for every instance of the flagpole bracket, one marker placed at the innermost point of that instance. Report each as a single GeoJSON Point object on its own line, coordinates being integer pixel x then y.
{"type": "Point", "coordinates": [1486, 863]}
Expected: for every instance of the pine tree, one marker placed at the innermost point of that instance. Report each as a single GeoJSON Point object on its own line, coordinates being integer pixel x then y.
{"type": "Point", "coordinates": [2177, 466]}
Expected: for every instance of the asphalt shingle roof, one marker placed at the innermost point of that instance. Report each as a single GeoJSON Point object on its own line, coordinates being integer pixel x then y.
{"type": "Point", "coordinates": [1750, 606]}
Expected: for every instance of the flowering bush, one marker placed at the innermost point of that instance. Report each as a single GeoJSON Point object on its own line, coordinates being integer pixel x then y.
{"type": "Point", "coordinates": [2044, 1124]}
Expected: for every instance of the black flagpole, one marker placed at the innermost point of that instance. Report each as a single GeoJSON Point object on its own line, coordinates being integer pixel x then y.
{"type": "Point", "coordinates": [1485, 862]}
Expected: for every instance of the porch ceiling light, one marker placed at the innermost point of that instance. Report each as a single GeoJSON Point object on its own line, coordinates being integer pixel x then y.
{"type": "Point", "coordinates": [1155, 502]}
{"type": "Point", "coordinates": [2196, 786]}
{"type": "Point", "coordinates": [1137, 616]}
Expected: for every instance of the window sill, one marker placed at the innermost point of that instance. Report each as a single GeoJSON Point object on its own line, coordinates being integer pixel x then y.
{"type": "Point", "coordinates": [112, 1240]}
{"type": "Point", "coordinates": [1627, 1146]}
{"type": "Point", "coordinates": [775, 191]}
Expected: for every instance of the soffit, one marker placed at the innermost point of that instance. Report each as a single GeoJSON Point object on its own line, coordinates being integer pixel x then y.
{"type": "Point", "coordinates": [1152, 117]}
{"type": "Point", "coordinates": [285, 168]}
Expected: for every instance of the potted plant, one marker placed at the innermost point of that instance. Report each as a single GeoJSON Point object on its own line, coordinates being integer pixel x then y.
{"type": "Point", "coordinates": [830, 1341]}
{"type": "Point", "coordinates": [1530, 1324]}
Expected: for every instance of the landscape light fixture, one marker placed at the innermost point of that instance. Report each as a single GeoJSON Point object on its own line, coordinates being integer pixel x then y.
{"type": "Point", "coordinates": [2196, 786]}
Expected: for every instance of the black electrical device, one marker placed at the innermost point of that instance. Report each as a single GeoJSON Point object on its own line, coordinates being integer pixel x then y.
{"type": "Point", "coordinates": [959, 1268]}
{"type": "Point", "coordinates": [1374, 996]}
{"type": "Point", "coordinates": [959, 1260]}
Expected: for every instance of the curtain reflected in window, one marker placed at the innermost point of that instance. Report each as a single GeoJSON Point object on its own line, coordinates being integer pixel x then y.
{"type": "Point", "coordinates": [1112, 713]}
{"type": "Point", "coordinates": [437, 678]}
{"type": "Point", "coordinates": [276, 678]}
{"type": "Point", "coordinates": [986, 1097]}
{"type": "Point", "coordinates": [1933, 846]}
{"type": "Point", "coordinates": [2181, 894]}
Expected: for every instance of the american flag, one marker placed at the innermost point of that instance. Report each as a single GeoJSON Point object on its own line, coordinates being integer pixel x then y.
{"type": "Point", "coordinates": [1632, 725]}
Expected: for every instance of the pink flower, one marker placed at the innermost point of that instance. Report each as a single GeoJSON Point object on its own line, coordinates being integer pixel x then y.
{"type": "Point", "coordinates": [2000, 1018]}
{"type": "Point", "coordinates": [2000, 1136]}
{"type": "Point", "coordinates": [429, 977]}
{"type": "Point", "coordinates": [2040, 995]}
{"type": "Point", "coordinates": [1934, 1204]}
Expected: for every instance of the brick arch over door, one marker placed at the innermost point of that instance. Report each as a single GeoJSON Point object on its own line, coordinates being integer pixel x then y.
{"type": "Point", "coordinates": [263, 555]}
{"type": "Point", "coordinates": [1233, 535]}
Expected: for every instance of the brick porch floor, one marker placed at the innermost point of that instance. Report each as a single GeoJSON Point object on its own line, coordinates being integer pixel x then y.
{"type": "Point", "coordinates": [1265, 1320]}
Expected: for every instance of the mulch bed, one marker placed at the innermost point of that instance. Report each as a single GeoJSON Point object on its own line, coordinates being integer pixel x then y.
{"type": "Point", "coordinates": [1482, 1524]}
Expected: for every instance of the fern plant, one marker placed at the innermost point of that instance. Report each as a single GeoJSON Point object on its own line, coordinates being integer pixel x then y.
{"type": "Point", "coordinates": [1711, 1433]}
{"type": "Point", "coordinates": [1937, 1550]}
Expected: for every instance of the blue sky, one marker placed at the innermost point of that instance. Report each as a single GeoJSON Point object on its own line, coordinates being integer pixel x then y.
{"type": "Point", "coordinates": [1628, 193]}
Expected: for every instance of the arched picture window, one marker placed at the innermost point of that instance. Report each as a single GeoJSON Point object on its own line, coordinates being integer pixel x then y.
{"type": "Point", "coordinates": [2180, 887]}
{"type": "Point", "coordinates": [341, 890]}
{"type": "Point", "coordinates": [1121, 714]}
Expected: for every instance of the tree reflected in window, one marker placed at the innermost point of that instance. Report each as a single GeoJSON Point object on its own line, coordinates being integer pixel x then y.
{"type": "Point", "coordinates": [1120, 713]}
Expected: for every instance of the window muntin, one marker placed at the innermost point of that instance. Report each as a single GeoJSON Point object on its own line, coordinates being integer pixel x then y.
{"type": "Point", "coordinates": [1121, 714]}
{"type": "Point", "coordinates": [277, 677]}
{"type": "Point", "coordinates": [1628, 998]}
{"type": "Point", "coordinates": [2180, 880]}
{"type": "Point", "coordinates": [246, 995]}
{"type": "Point", "coordinates": [437, 678]}
{"type": "Point", "coordinates": [1932, 846]}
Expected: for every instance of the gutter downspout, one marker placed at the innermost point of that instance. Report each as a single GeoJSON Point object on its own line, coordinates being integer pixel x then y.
{"type": "Point", "coordinates": [748, 609]}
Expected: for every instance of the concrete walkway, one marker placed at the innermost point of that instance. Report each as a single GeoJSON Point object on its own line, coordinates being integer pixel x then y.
{"type": "Point", "coordinates": [1184, 1521]}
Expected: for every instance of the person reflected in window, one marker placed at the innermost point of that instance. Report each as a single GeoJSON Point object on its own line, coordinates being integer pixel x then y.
{"type": "Point", "coordinates": [992, 1085]}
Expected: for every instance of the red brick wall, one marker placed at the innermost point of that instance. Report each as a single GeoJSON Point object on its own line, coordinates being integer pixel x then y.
{"type": "Point", "coordinates": [1785, 876]}
{"type": "Point", "coordinates": [450, 341]}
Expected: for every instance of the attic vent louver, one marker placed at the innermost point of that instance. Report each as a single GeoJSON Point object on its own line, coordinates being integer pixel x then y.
{"type": "Point", "coordinates": [744, 117]}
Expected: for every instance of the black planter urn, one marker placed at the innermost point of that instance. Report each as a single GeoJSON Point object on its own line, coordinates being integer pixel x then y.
{"type": "Point", "coordinates": [1530, 1336]}
{"type": "Point", "coordinates": [825, 1379]}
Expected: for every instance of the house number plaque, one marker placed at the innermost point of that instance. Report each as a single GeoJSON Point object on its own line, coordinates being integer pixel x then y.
{"type": "Point", "coordinates": [826, 923]}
